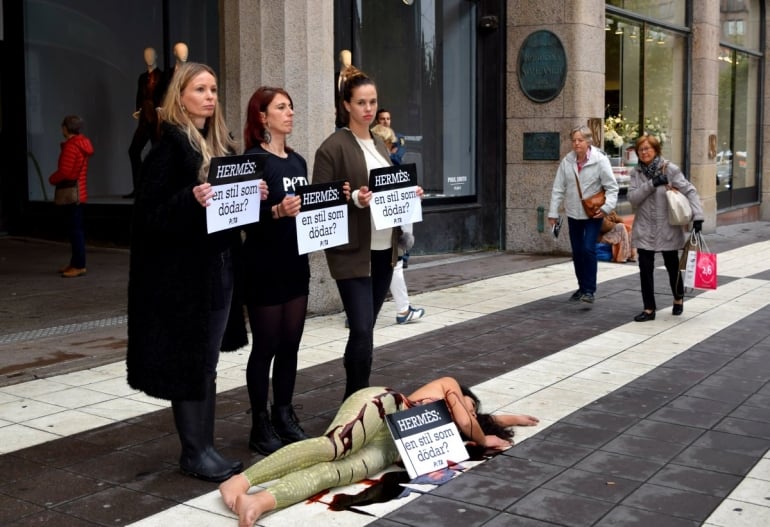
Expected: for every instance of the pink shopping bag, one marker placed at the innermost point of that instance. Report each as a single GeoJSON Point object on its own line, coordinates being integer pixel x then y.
{"type": "Point", "coordinates": [701, 270]}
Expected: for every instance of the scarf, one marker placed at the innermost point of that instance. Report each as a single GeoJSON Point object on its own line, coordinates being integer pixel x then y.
{"type": "Point", "coordinates": [652, 169]}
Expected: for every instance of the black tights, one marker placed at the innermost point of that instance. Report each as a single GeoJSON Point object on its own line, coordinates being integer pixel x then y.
{"type": "Point", "coordinates": [276, 333]}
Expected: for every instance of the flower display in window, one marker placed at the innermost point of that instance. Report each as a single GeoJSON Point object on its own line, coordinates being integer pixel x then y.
{"type": "Point", "coordinates": [618, 131]}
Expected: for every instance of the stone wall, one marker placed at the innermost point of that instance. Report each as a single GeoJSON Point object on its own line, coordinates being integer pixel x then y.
{"type": "Point", "coordinates": [580, 27]}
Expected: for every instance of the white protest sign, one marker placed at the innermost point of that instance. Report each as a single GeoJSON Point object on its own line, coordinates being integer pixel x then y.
{"type": "Point", "coordinates": [235, 182]}
{"type": "Point", "coordinates": [323, 219]}
{"type": "Point", "coordinates": [395, 201]}
{"type": "Point", "coordinates": [427, 438]}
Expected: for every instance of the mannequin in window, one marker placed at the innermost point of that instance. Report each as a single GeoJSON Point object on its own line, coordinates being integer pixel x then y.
{"type": "Point", "coordinates": [180, 54]}
{"type": "Point", "coordinates": [149, 95]}
{"type": "Point", "coordinates": [346, 70]}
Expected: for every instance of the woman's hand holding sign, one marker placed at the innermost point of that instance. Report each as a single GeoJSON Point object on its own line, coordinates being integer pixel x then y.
{"type": "Point", "coordinates": [203, 194]}
{"type": "Point", "coordinates": [290, 206]}
{"type": "Point", "coordinates": [363, 196]}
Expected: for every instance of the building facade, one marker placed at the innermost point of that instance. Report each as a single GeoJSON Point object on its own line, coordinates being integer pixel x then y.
{"type": "Point", "coordinates": [483, 91]}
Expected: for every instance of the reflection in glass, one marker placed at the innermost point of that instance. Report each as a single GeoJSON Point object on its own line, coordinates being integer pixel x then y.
{"type": "Point", "coordinates": [644, 85]}
{"type": "Point", "coordinates": [736, 177]}
{"type": "Point", "coordinates": [422, 58]}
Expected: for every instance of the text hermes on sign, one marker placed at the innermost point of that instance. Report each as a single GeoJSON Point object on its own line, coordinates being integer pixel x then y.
{"type": "Point", "coordinates": [323, 219]}
{"type": "Point", "coordinates": [395, 201]}
{"type": "Point", "coordinates": [235, 182]}
{"type": "Point", "coordinates": [426, 438]}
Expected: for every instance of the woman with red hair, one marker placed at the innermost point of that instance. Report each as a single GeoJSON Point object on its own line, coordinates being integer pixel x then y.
{"type": "Point", "coordinates": [276, 276]}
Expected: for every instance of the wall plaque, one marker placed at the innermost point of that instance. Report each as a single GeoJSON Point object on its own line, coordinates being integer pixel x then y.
{"type": "Point", "coordinates": [541, 146]}
{"type": "Point", "coordinates": [542, 66]}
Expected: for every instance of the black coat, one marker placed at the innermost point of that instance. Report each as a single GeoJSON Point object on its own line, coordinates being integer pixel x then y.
{"type": "Point", "coordinates": [171, 288]}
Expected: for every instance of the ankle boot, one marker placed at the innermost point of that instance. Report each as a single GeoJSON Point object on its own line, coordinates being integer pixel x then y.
{"type": "Point", "coordinates": [263, 438]}
{"type": "Point", "coordinates": [286, 424]}
{"type": "Point", "coordinates": [199, 458]}
{"type": "Point", "coordinates": [210, 407]}
{"type": "Point", "coordinates": [357, 375]}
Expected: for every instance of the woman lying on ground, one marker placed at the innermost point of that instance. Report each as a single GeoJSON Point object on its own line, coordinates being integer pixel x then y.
{"type": "Point", "coordinates": [357, 445]}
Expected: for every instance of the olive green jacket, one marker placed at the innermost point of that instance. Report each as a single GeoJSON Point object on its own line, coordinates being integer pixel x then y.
{"type": "Point", "coordinates": [339, 158]}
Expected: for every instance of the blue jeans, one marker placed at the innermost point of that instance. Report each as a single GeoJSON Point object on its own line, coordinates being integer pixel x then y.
{"type": "Point", "coordinates": [582, 237]}
{"type": "Point", "coordinates": [77, 236]}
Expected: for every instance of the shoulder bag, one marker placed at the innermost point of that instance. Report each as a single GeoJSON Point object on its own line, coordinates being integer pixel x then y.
{"type": "Point", "coordinates": [679, 210]}
{"type": "Point", "coordinates": [66, 193]}
{"type": "Point", "coordinates": [591, 204]}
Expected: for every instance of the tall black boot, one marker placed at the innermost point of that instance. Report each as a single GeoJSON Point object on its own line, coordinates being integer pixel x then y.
{"type": "Point", "coordinates": [208, 423]}
{"type": "Point", "coordinates": [286, 424]}
{"type": "Point", "coordinates": [357, 375]}
{"type": "Point", "coordinates": [263, 438]}
{"type": "Point", "coordinates": [196, 459]}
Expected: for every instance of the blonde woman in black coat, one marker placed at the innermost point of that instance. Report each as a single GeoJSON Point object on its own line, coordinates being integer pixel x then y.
{"type": "Point", "coordinates": [180, 277]}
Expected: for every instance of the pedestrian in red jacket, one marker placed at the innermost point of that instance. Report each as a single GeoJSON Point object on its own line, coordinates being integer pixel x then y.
{"type": "Point", "coordinates": [73, 166]}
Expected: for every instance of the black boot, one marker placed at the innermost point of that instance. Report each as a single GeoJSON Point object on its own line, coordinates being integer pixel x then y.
{"type": "Point", "coordinates": [198, 459]}
{"type": "Point", "coordinates": [286, 424]}
{"type": "Point", "coordinates": [263, 438]}
{"type": "Point", "coordinates": [208, 423]}
{"type": "Point", "coordinates": [357, 375]}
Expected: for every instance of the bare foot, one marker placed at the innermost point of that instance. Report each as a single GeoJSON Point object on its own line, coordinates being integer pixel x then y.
{"type": "Point", "coordinates": [232, 488]}
{"type": "Point", "coordinates": [250, 507]}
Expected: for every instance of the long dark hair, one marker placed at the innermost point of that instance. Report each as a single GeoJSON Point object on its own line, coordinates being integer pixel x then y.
{"type": "Point", "coordinates": [254, 131]}
{"type": "Point", "coordinates": [356, 80]}
{"type": "Point", "coordinates": [487, 423]}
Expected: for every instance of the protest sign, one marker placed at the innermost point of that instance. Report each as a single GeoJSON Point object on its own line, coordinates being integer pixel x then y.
{"type": "Point", "coordinates": [323, 219]}
{"type": "Point", "coordinates": [427, 438]}
{"type": "Point", "coordinates": [395, 201]}
{"type": "Point", "coordinates": [235, 182]}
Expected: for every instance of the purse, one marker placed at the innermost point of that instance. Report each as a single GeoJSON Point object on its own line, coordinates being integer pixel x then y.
{"type": "Point", "coordinates": [66, 193]}
{"type": "Point", "coordinates": [679, 210]}
{"type": "Point", "coordinates": [591, 204]}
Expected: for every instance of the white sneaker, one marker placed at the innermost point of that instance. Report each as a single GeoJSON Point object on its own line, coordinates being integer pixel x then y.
{"type": "Point", "coordinates": [411, 315]}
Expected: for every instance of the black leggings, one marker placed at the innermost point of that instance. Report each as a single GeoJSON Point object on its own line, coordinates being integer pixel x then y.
{"type": "Point", "coordinates": [647, 273]}
{"type": "Point", "coordinates": [362, 299]}
{"type": "Point", "coordinates": [276, 333]}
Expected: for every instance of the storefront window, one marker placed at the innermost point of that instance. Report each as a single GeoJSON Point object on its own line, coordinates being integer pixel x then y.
{"type": "Point", "coordinates": [666, 11]}
{"type": "Point", "coordinates": [644, 89]}
{"type": "Point", "coordinates": [739, 72]}
{"type": "Point", "coordinates": [421, 54]}
{"type": "Point", "coordinates": [84, 57]}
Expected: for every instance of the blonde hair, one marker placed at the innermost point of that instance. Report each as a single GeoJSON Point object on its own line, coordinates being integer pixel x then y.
{"type": "Point", "coordinates": [385, 132]}
{"type": "Point", "coordinates": [218, 141]}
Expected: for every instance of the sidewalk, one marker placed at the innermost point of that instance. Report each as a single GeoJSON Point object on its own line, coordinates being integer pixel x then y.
{"type": "Point", "coordinates": [663, 422]}
{"type": "Point", "coordinates": [50, 325]}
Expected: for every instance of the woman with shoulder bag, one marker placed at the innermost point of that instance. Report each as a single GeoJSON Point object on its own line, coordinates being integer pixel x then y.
{"type": "Point", "coordinates": [70, 180]}
{"type": "Point", "coordinates": [652, 231]}
{"type": "Point", "coordinates": [584, 172]}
